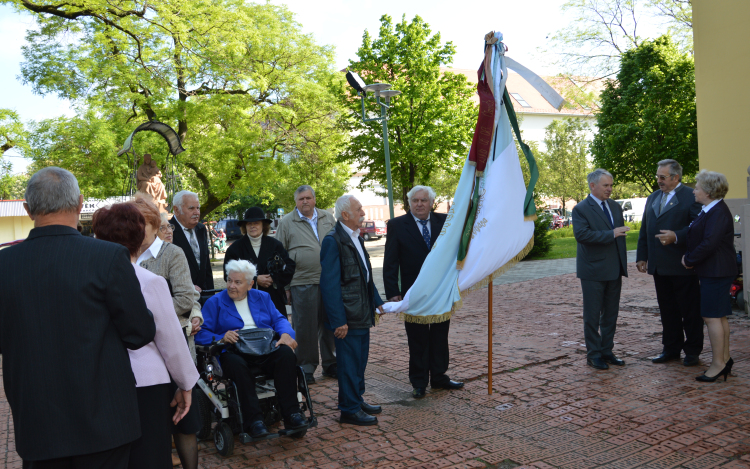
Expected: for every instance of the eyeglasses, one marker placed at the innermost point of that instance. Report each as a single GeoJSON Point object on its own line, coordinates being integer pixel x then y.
{"type": "Point", "coordinates": [662, 178]}
{"type": "Point", "coordinates": [165, 228]}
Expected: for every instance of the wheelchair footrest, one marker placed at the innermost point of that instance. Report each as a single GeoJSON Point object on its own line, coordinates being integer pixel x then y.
{"type": "Point", "coordinates": [285, 432]}
{"type": "Point", "coordinates": [246, 438]}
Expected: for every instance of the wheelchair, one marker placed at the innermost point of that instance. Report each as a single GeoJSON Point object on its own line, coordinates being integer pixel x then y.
{"type": "Point", "coordinates": [218, 403]}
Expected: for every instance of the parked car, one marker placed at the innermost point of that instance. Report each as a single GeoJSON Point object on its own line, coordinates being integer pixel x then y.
{"type": "Point", "coordinates": [230, 227]}
{"type": "Point", "coordinates": [632, 209]}
{"type": "Point", "coordinates": [373, 229]}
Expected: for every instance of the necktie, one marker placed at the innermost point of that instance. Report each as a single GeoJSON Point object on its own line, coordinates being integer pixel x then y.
{"type": "Point", "coordinates": [194, 246]}
{"type": "Point", "coordinates": [606, 214]}
{"type": "Point", "coordinates": [425, 232]}
{"type": "Point", "coordinates": [663, 202]}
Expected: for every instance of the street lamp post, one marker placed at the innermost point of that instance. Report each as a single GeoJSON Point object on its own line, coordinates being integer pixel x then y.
{"type": "Point", "coordinates": [381, 90]}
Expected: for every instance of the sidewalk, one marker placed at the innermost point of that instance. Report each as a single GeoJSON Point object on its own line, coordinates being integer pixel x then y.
{"type": "Point", "coordinates": [548, 409]}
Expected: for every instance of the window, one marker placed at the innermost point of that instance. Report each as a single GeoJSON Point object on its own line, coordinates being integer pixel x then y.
{"type": "Point", "coordinates": [520, 100]}
{"type": "Point", "coordinates": [627, 206]}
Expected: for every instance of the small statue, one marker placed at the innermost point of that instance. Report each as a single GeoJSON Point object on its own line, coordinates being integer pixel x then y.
{"type": "Point", "coordinates": [149, 181]}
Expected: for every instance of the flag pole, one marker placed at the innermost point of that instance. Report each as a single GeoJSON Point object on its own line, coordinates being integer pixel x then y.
{"type": "Point", "coordinates": [489, 338]}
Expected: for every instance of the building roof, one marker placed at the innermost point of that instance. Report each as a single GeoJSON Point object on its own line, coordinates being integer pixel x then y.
{"type": "Point", "coordinates": [516, 84]}
{"type": "Point", "coordinates": [12, 208]}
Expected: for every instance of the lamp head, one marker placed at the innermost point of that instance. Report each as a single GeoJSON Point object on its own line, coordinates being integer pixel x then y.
{"type": "Point", "coordinates": [355, 81]}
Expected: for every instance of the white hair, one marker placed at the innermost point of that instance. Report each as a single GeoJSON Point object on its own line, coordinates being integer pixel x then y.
{"type": "Point", "coordinates": [177, 199]}
{"type": "Point", "coordinates": [430, 192]}
{"type": "Point", "coordinates": [241, 266]}
{"type": "Point", "coordinates": [595, 175]}
{"type": "Point", "coordinates": [343, 204]}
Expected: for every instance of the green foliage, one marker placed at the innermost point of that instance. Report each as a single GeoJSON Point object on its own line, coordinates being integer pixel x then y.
{"type": "Point", "coordinates": [12, 132]}
{"type": "Point", "coordinates": [542, 240]}
{"type": "Point", "coordinates": [648, 114]}
{"type": "Point", "coordinates": [563, 248]}
{"type": "Point", "coordinates": [430, 124]}
{"type": "Point", "coordinates": [252, 97]}
{"type": "Point", "coordinates": [564, 165]}
{"type": "Point", "coordinates": [567, 231]}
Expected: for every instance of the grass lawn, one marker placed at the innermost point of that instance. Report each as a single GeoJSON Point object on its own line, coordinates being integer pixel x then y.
{"type": "Point", "coordinates": [566, 247]}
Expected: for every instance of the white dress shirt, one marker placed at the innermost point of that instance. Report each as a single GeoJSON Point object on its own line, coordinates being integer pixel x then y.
{"type": "Point", "coordinates": [244, 311]}
{"type": "Point", "coordinates": [313, 222]}
{"type": "Point", "coordinates": [354, 235]}
{"type": "Point", "coordinates": [152, 251]}
{"type": "Point", "coordinates": [188, 235]}
{"type": "Point", "coordinates": [708, 207]}
{"type": "Point", "coordinates": [670, 194]}
{"type": "Point", "coordinates": [419, 225]}
{"type": "Point", "coordinates": [609, 212]}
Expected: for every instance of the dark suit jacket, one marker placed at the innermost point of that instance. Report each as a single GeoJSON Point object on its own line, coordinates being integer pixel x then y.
{"type": "Point", "coordinates": [681, 210]}
{"type": "Point", "coordinates": [600, 255]}
{"type": "Point", "coordinates": [202, 276]}
{"type": "Point", "coordinates": [242, 249]}
{"type": "Point", "coordinates": [70, 307]}
{"type": "Point", "coordinates": [330, 278]}
{"type": "Point", "coordinates": [405, 251]}
{"type": "Point", "coordinates": [710, 243]}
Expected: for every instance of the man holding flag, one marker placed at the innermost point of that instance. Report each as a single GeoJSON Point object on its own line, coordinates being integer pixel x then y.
{"type": "Point", "coordinates": [410, 238]}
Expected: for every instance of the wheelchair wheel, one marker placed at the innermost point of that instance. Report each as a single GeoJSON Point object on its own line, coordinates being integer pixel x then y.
{"type": "Point", "coordinates": [224, 439]}
{"type": "Point", "coordinates": [204, 410]}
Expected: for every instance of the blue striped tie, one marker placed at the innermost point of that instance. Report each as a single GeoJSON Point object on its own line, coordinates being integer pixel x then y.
{"type": "Point", "coordinates": [425, 232]}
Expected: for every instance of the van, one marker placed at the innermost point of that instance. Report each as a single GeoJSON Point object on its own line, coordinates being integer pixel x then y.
{"type": "Point", "coordinates": [632, 209]}
{"type": "Point", "coordinates": [373, 229]}
{"type": "Point", "coordinates": [230, 227]}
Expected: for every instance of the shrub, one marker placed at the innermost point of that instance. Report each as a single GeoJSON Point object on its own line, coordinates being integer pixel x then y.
{"type": "Point", "coordinates": [542, 241]}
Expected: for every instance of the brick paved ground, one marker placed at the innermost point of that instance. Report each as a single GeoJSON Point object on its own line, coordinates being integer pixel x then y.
{"type": "Point", "coordinates": [549, 410]}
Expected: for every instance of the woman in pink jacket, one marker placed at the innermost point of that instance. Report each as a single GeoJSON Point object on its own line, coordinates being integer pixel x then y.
{"type": "Point", "coordinates": [166, 356]}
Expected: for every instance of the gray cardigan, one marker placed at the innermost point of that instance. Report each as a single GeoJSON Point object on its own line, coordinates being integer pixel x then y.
{"type": "Point", "coordinates": [171, 264]}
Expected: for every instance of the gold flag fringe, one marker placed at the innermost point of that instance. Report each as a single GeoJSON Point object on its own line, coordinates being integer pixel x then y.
{"type": "Point", "coordinates": [530, 218]}
{"type": "Point", "coordinates": [434, 319]}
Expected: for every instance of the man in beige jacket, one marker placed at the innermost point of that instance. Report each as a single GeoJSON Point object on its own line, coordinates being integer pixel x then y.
{"type": "Point", "coordinates": [301, 233]}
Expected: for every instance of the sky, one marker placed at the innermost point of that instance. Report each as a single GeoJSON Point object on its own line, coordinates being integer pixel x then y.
{"type": "Point", "coordinates": [340, 23]}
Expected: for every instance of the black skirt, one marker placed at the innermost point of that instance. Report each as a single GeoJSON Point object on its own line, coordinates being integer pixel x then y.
{"type": "Point", "coordinates": [715, 299]}
{"type": "Point", "coordinates": [191, 423]}
{"type": "Point", "coordinates": [153, 450]}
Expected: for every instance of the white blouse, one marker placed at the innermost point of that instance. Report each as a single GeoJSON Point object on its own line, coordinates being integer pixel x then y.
{"type": "Point", "coordinates": [244, 311]}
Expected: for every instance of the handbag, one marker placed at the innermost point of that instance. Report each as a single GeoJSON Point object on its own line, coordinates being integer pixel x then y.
{"type": "Point", "coordinates": [256, 342]}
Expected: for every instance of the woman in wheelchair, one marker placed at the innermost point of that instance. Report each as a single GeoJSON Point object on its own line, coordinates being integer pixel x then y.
{"type": "Point", "coordinates": [240, 307]}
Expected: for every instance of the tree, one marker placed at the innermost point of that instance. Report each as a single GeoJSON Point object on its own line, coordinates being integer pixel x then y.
{"type": "Point", "coordinates": [648, 114]}
{"type": "Point", "coordinates": [602, 30]}
{"type": "Point", "coordinates": [564, 165]}
{"type": "Point", "coordinates": [246, 90]}
{"type": "Point", "coordinates": [12, 132]}
{"type": "Point", "coordinates": [431, 123]}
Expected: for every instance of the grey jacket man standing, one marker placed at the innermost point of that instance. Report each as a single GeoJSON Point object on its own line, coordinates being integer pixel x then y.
{"type": "Point", "coordinates": [661, 244]}
{"type": "Point", "coordinates": [601, 262]}
{"type": "Point", "coordinates": [301, 232]}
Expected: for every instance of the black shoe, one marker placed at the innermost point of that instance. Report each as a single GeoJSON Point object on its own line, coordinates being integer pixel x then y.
{"type": "Point", "coordinates": [665, 357]}
{"type": "Point", "coordinates": [360, 418]}
{"type": "Point", "coordinates": [613, 360]}
{"type": "Point", "coordinates": [691, 360]}
{"type": "Point", "coordinates": [597, 363]}
{"type": "Point", "coordinates": [370, 409]}
{"type": "Point", "coordinates": [418, 393]}
{"type": "Point", "coordinates": [258, 429]}
{"type": "Point", "coordinates": [295, 421]}
{"type": "Point", "coordinates": [710, 379]}
{"type": "Point", "coordinates": [309, 378]}
{"type": "Point", "coordinates": [450, 384]}
{"type": "Point", "coordinates": [730, 364]}
{"type": "Point", "coordinates": [331, 371]}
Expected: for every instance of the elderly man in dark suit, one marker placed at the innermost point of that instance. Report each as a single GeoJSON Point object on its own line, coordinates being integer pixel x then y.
{"type": "Point", "coordinates": [661, 245]}
{"type": "Point", "coordinates": [601, 262]}
{"type": "Point", "coordinates": [192, 237]}
{"type": "Point", "coordinates": [410, 238]}
{"type": "Point", "coordinates": [64, 336]}
{"type": "Point", "coordinates": [350, 298]}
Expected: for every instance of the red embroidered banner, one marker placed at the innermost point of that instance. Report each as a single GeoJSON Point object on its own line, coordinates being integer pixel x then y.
{"type": "Point", "coordinates": [480, 145]}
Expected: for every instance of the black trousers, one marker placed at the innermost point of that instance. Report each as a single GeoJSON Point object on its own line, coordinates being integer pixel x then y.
{"type": "Point", "coordinates": [281, 364]}
{"type": "Point", "coordinates": [428, 353]}
{"type": "Point", "coordinates": [679, 300]}
{"type": "Point", "coordinates": [153, 450]}
{"type": "Point", "coordinates": [601, 306]}
{"type": "Point", "coordinates": [115, 458]}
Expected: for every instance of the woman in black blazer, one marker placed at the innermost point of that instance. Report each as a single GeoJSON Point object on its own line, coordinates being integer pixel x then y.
{"type": "Point", "coordinates": [275, 268]}
{"type": "Point", "coordinates": [710, 251]}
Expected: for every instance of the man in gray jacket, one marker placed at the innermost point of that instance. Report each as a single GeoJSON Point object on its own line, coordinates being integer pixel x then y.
{"type": "Point", "coordinates": [301, 232]}
{"type": "Point", "coordinates": [601, 262]}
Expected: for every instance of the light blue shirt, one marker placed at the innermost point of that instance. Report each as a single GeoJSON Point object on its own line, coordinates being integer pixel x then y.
{"type": "Point", "coordinates": [419, 225]}
{"type": "Point", "coordinates": [313, 222]}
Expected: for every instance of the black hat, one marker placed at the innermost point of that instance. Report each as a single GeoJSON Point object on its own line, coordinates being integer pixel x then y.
{"type": "Point", "coordinates": [254, 214]}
